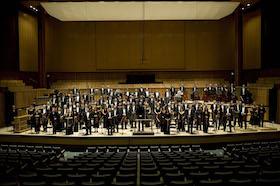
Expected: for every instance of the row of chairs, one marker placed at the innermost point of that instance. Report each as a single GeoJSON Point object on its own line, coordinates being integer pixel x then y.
{"type": "Point", "coordinates": [144, 148]}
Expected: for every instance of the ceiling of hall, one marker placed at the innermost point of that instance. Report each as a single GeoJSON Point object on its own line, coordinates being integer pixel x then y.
{"type": "Point", "coordinates": [137, 10]}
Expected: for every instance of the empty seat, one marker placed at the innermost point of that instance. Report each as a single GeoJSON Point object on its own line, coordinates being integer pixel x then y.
{"type": "Point", "coordinates": [93, 183]}
{"type": "Point", "coordinates": [240, 182]}
{"type": "Point", "coordinates": [158, 183]}
{"type": "Point", "coordinates": [218, 182]}
{"type": "Point", "coordinates": [168, 177]}
{"type": "Point", "coordinates": [150, 177]}
{"type": "Point", "coordinates": [185, 183]}
{"type": "Point", "coordinates": [126, 177]}
{"type": "Point", "coordinates": [41, 183]}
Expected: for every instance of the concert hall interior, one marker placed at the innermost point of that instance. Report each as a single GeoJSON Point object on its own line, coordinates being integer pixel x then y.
{"type": "Point", "coordinates": [146, 93]}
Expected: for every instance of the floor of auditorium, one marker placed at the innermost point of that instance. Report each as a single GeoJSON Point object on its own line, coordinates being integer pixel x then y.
{"type": "Point", "coordinates": [102, 132]}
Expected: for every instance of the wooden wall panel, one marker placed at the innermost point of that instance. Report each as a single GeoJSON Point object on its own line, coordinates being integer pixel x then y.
{"type": "Point", "coordinates": [164, 45]}
{"type": "Point", "coordinates": [70, 46]}
{"type": "Point", "coordinates": [28, 42]}
{"type": "Point", "coordinates": [209, 45]}
{"type": "Point", "coordinates": [118, 45]}
{"type": "Point", "coordinates": [252, 40]}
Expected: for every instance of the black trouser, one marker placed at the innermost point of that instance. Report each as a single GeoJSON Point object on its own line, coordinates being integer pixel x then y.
{"type": "Point", "coordinates": [110, 126]}
{"type": "Point", "coordinates": [261, 120]}
{"type": "Point", "coordinates": [123, 122]}
{"type": "Point", "coordinates": [116, 123]}
{"type": "Point", "coordinates": [206, 125]}
{"type": "Point", "coordinates": [54, 127]}
{"type": "Point", "coordinates": [88, 129]}
{"type": "Point", "coordinates": [190, 126]}
{"type": "Point", "coordinates": [229, 124]}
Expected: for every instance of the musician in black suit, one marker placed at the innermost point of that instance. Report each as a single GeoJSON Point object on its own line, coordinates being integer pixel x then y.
{"type": "Point", "coordinates": [261, 111]}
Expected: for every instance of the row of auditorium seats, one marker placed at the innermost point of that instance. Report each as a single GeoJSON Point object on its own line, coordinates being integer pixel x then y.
{"type": "Point", "coordinates": [240, 164]}
{"type": "Point", "coordinates": [143, 148]}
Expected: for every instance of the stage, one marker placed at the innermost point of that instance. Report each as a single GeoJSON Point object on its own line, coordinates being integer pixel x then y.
{"type": "Point", "coordinates": [125, 137]}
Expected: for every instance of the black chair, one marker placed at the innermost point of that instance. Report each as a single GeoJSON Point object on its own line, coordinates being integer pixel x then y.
{"type": "Point", "coordinates": [52, 178]}
{"type": "Point", "coordinates": [77, 178]}
{"type": "Point", "coordinates": [150, 177]}
{"type": "Point", "coordinates": [144, 148]}
{"type": "Point", "coordinates": [247, 174]}
{"type": "Point", "coordinates": [124, 183]}
{"type": "Point", "coordinates": [107, 170]}
{"type": "Point", "coordinates": [101, 149]}
{"type": "Point", "coordinates": [149, 170]}
{"type": "Point", "coordinates": [218, 182]}
{"type": "Point", "coordinates": [62, 184]}
{"type": "Point", "coordinates": [28, 177]}
{"type": "Point", "coordinates": [164, 148]}
{"type": "Point", "coordinates": [159, 183]}
{"type": "Point", "coordinates": [174, 148]}
{"type": "Point", "coordinates": [196, 176]}
{"type": "Point", "coordinates": [165, 170]}
{"type": "Point", "coordinates": [240, 182]}
{"type": "Point", "coordinates": [126, 177]}
{"type": "Point", "coordinates": [9, 183]}
{"type": "Point", "coordinates": [125, 170]}
{"type": "Point", "coordinates": [181, 183]}
{"type": "Point", "coordinates": [270, 174]}
{"type": "Point", "coordinates": [107, 178]}
{"type": "Point", "coordinates": [268, 182]}
{"type": "Point", "coordinates": [227, 175]}
{"type": "Point", "coordinates": [122, 149]}
{"type": "Point", "coordinates": [86, 170]}
{"type": "Point", "coordinates": [42, 183]}
{"type": "Point", "coordinates": [93, 183]}
{"type": "Point", "coordinates": [168, 177]}
{"type": "Point", "coordinates": [154, 148]}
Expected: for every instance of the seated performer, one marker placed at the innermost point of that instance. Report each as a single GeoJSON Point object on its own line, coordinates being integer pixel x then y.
{"type": "Point", "coordinates": [195, 94]}
{"type": "Point", "coordinates": [246, 95]}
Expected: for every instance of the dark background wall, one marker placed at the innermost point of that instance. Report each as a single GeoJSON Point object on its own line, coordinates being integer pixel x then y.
{"type": "Point", "coordinates": [9, 36]}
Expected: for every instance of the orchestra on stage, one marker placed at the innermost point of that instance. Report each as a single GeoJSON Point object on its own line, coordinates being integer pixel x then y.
{"type": "Point", "coordinates": [114, 110]}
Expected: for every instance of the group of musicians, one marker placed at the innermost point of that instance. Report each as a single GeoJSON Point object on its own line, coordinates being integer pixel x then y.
{"type": "Point", "coordinates": [114, 110]}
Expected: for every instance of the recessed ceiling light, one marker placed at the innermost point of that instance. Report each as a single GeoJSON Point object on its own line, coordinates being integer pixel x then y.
{"type": "Point", "coordinates": [242, 8]}
{"type": "Point", "coordinates": [248, 4]}
{"type": "Point", "coordinates": [30, 6]}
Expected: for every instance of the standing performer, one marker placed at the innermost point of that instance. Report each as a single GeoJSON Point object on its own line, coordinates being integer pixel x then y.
{"type": "Point", "coordinates": [54, 118]}
{"type": "Point", "coordinates": [261, 115]}
{"type": "Point", "coordinates": [191, 118]}
{"type": "Point", "coordinates": [206, 120]}
{"type": "Point", "coordinates": [214, 110]}
{"type": "Point", "coordinates": [109, 120]}
{"type": "Point", "coordinates": [181, 118]}
{"type": "Point", "coordinates": [157, 112]}
{"type": "Point", "coordinates": [124, 117]}
{"type": "Point", "coordinates": [229, 118]}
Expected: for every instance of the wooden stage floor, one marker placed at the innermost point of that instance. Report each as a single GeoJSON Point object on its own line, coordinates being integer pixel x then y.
{"type": "Point", "coordinates": [270, 131]}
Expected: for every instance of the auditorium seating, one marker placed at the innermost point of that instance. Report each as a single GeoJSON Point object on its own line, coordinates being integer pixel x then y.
{"type": "Point", "coordinates": [239, 164]}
